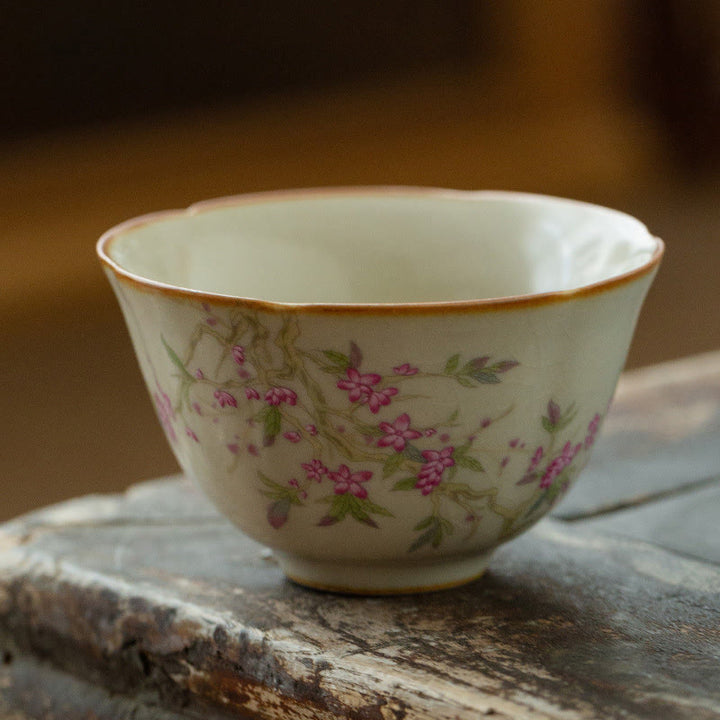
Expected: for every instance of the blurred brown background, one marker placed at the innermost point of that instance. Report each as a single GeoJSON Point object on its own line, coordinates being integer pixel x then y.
{"type": "Point", "coordinates": [113, 110]}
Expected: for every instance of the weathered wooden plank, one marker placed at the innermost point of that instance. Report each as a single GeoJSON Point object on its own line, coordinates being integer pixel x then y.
{"type": "Point", "coordinates": [686, 523]}
{"type": "Point", "coordinates": [662, 433]}
{"type": "Point", "coordinates": [569, 623]}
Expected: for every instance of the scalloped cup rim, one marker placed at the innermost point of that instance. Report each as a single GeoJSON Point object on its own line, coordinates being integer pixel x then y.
{"type": "Point", "coordinates": [504, 302]}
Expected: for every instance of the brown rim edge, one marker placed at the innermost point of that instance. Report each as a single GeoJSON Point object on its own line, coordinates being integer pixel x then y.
{"type": "Point", "coordinates": [443, 307]}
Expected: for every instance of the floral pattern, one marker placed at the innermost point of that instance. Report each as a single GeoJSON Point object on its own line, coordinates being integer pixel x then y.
{"type": "Point", "coordinates": [357, 435]}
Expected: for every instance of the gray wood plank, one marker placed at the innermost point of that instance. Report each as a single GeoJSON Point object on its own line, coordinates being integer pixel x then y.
{"type": "Point", "coordinates": [569, 623]}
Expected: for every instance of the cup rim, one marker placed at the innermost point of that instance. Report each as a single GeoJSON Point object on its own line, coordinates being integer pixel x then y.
{"type": "Point", "coordinates": [444, 306]}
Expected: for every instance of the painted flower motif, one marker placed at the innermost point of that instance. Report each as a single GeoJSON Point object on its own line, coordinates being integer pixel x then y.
{"type": "Point", "coordinates": [359, 386]}
{"type": "Point", "coordinates": [398, 433]}
{"type": "Point", "coordinates": [234, 448]}
{"type": "Point", "coordinates": [431, 473]}
{"type": "Point", "coordinates": [314, 470]}
{"type": "Point", "coordinates": [593, 428]}
{"type": "Point", "coordinates": [405, 369]}
{"type": "Point", "coordinates": [196, 407]}
{"type": "Point", "coordinates": [225, 398]}
{"type": "Point", "coordinates": [252, 449]}
{"type": "Point", "coordinates": [165, 413]}
{"type": "Point", "coordinates": [238, 354]}
{"type": "Point", "coordinates": [347, 482]}
{"type": "Point", "coordinates": [189, 432]}
{"type": "Point", "coordinates": [378, 398]}
{"type": "Point", "coordinates": [311, 430]}
{"type": "Point", "coordinates": [559, 463]}
{"type": "Point", "coordinates": [252, 394]}
{"type": "Point", "coordinates": [292, 436]}
{"type": "Point", "coordinates": [199, 374]}
{"type": "Point", "coordinates": [279, 395]}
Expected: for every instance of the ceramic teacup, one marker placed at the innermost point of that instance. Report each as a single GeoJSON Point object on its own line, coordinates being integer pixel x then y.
{"type": "Point", "coordinates": [382, 384]}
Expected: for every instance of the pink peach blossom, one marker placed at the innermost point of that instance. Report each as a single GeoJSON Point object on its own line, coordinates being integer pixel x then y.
{"type": "Point", "coordinates": [199, 374]}
{"type": "Point", "coordinates": [292, 436]}
{"type": "Point", "coordinates": [233, 448]}
{"type": "Point", "coordinates": [347, 482]}
{"type": "Point", "coordinates": [191, 434]}
{"type": "Point", "coordinates": [378, 398]}
{"type": "Point", "coordinates": [405, 369]}
{"type": "Point", "coordinates": [359, 386]}
{"type": "Point", "coordinates": [311, 430]}
{"type": "Point", "coordinates": [278, 395]}
{"type": "Point", "coordinates": [398, 433]}
{"type": "Point", "coordinates": [225, 398]}
{"type": "Point", "coordinates": [238, 354]}
{"type": "Point", "coordinates": [252, 394]}
{"type": "Point", "coordinates": [315, 470]}
{"type": "Point", "coordinates": [165, 412]}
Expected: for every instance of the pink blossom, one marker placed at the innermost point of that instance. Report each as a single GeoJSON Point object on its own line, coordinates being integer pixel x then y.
{"type": "Point", "coordinates": [211, 321]}
{"type": "Point", "coordinates": [252, 449]}
{"type": "Point", "coordinates": [252, 394]}
{"type": "Point", "coordinates": [431, 472]}
{"type": "Point", "coordinates": [311, 430]}
{"type": "Point", "coordinates": [225, 398]}
{"type": "Point", "coordinates": [359, 386]}
{"type": "Point", "coordinates": [398, 433]}
{"type": "Point", "coordinates": [347, 482]}
{"type": "Point", "coordinates": [238, 354]}
{"type": "Point", "coordinates": [486, 422]}
{"type": "Point", "coordinates": [233, 448]}
{"type": "Point", "coordinates": [278, 395]}
{"type": "Point", "coordinates": [199, 374]}
{"type": "Point", "coordinates": [514, 442]}
{"type": "Point", "coordinates": [593, 427]}
{"type": "Point", "coordinates": [378, 398]}
{"type": "Point", "coordinates": [428, 483]}
{"type": "Point", "coordinates": [405, 369]}
{"type": "Point", "coordinates": [559, 463]}
{"type": "Point", "coordinates": [243, 373]}
{"type": "Point", "coordinates": [191, 434]}
{"type": "Point", "coordinates": [504, 461]}
{"type": "Point", "coordinates": [429, 432]}
{"type": "Point", "coordinates": [196, 407]}
{"type": "Point", "coordinates": [293, 483]}
{"type": "Point", "coordinates": [302, 495]}
{"type": "Point", "coordinates": [444, 437]}
{"type": "Point", "coordinates": [292, 436]}
{"type": "Point", "coordinates": [165, 413]}
{"type": "Point", "coordinates": [536, 458]}
{"type": "Point", "coordinates": [314, 470]}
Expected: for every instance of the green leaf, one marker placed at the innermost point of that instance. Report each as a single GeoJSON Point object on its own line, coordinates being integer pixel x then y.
{"type": "Point", "coordinates": [423, 539]}
{"type": "Point", "coordinates": [177, 361]}
{"type": "Point", "coordinates": [465, 382]}
{"type": "Point", "coordinates": [425, 522]}
{"type": "Point", "coordinates": [485, 377]}
{"type": "Point", "coordinates": [412, 453]}
{"type": "Point", "coordinates": [342, 361]}
{"type": "Point", "coordinates": [406, 484]}
{"type": "Point", "coordinates": [273, 421]}
{"type": "Point", "coordinates": [392, 464]}
{"type": "Point", "coordinates": [451, 364]}
{"type": "Point", "coordinates": [547, 424]}
{"type": "Point", "coordinates": [566, 420]}
{"type": "Point", "coordinates": [470, 463]}
{"type": "Point", "coordinates": [376, 509]}
{"type": "Point", "coordinates": [340, 506]}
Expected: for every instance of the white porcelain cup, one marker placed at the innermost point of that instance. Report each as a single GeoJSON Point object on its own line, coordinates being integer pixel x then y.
{"type": "Point", "coordinates": [382, 384]}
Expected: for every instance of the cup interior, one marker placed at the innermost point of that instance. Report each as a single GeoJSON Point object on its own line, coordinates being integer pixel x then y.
{"type": "Point", "coordinates": [382, 246]}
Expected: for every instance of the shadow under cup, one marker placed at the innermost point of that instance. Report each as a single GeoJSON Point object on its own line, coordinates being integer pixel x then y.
{"type": "Point", "coordinates": [382, 384]}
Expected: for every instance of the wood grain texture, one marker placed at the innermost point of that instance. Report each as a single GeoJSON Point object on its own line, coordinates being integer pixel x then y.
{"type": "Point", "coordinates": [157, 607]}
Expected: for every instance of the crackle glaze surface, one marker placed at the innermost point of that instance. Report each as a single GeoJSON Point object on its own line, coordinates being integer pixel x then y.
{"type": "Point", "coordinates": [408, 440]}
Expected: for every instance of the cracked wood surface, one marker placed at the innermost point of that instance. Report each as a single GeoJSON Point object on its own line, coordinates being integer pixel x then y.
{"type": "Point", "coordinates": [149, 604]}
